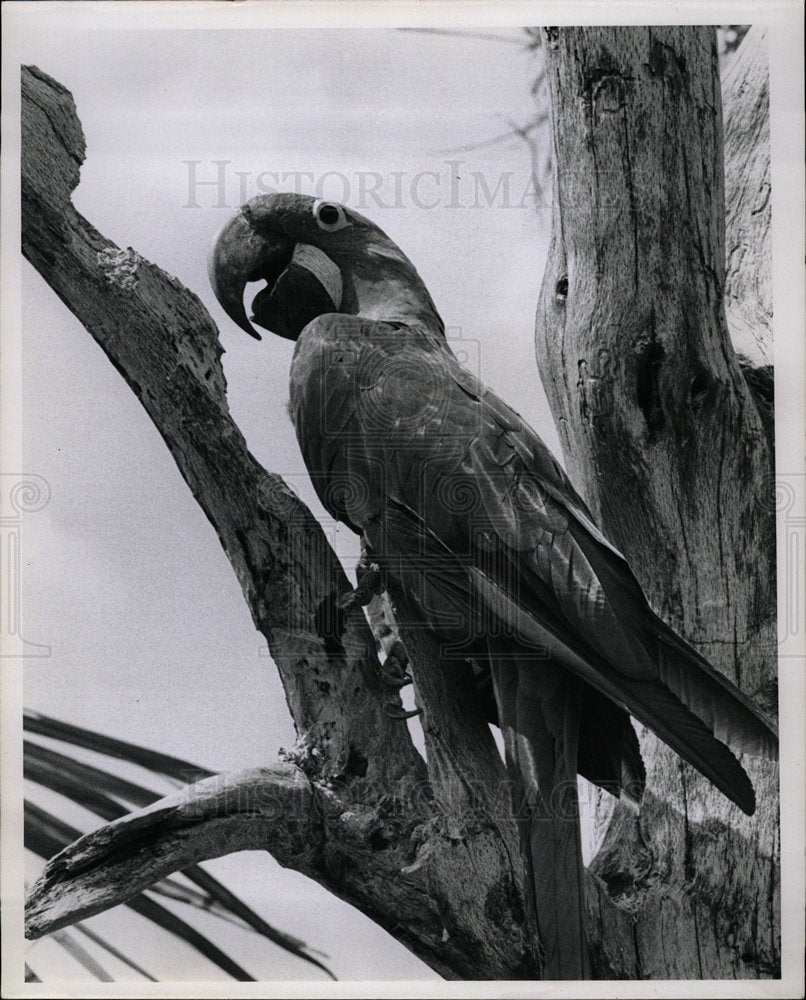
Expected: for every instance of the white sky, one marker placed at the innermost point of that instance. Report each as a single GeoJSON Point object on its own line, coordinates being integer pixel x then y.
{"type": "Point", "coordinates": [151, 640]}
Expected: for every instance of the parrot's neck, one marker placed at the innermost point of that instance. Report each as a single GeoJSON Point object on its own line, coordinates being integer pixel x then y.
{"type": "Point", "coordinates": [393, 294]}
{"type": "Point", "coordinates": [394, 302]}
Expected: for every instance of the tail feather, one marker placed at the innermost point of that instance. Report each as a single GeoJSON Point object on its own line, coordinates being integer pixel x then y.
{"type": "Point", "coordinates": [539, 712]}
{"type": "Point", "coordinates": [721, 705]}
{"type": "Point", "coordinates": [650, 701]}
{"type": "Point", "coordinates": [689, 737]}
{"type": "Point", "coordinates": [609, 753]}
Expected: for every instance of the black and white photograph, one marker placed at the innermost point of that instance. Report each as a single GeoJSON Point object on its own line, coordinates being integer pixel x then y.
{"type": "Point", "coordinates": [403, 499]}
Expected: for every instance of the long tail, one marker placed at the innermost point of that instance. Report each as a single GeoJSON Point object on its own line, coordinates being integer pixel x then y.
{"type": "Point", "coordinates": [539, 712]}
{"type": "Point", "coordinates": [653, 701]}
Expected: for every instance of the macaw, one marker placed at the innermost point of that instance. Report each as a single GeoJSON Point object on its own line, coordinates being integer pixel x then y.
{"type": "Point", "coordinates": [459, 500]}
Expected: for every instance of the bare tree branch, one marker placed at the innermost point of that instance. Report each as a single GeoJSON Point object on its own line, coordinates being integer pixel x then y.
{"type": "Point", "coordinates": [486, 36]}
{"type": "Point", "coordinates": [252, 810]}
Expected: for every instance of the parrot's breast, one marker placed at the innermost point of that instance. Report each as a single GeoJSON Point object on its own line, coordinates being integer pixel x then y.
{"type": "Point", "coordinates": [369, 403]}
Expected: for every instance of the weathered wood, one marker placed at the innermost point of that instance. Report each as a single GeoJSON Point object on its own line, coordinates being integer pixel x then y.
{"type": "Point", "coordinates": [748, 201]}
{"type": "Point", "coordinates": [226, 813]}
{"type": "Point", "coordinates": [662, 435]}
{"type": "Point", "coordinates": [425, 850]}
{"type": "Point", "coordinates": [748, 207]}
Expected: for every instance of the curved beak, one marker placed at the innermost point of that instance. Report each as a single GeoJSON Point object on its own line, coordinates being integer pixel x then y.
{"type": "Point", "coordinates": [241, 254]}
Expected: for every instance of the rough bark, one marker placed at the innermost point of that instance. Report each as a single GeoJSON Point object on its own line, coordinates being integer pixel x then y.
{"type": "Point", "coordinates": [662, 434]}
{"type": "Point", "coordinates": [748, 205]}
{"type": "Point", "coordinates": [221, 814]}
{"type": "Point", "coordinates": [425, 850]}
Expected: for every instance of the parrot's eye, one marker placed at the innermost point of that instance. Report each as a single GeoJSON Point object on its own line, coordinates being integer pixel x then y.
{"type": "Point", "coordinates": [330, 216]}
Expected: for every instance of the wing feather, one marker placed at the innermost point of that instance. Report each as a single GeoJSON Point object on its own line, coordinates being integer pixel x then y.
{"type": "Point", "coordinates": [445, 467]}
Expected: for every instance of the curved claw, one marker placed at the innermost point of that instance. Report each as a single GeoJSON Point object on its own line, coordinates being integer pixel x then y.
{"type": "Point", "coordinates": [395, 713]}
{"type": "Point", "coordinates": [398, 680]}
{"type": "Point", "coordinates": [349, 601]}
{"type": "Point", "coordinates": [370, 585]}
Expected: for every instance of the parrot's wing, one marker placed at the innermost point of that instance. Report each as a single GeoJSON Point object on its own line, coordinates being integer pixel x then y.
{"type": "Point", "coordinates": [434, 463]}
{"type": "Point", "coordinates": [559, 546]}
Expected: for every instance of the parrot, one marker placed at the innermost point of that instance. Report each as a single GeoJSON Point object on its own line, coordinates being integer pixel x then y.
{"type": "Point", "coordinates": [458, 500]}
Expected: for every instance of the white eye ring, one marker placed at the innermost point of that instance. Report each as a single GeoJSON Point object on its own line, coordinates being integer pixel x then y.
{"type": "Point", "coordinates": [329, 215]}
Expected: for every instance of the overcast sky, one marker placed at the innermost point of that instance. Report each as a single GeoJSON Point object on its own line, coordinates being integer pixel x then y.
{"type": "Point", "coordinates": [151, 640]}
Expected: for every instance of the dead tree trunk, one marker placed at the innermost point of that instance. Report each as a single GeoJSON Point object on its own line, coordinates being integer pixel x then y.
{"type": "Point", "coordinates": [664, 437]}
{"type": "Point", "coordinates": [429, 850]}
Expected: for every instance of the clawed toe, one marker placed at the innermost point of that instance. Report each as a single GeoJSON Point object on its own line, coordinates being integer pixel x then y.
{"type": "Point", "coordinates": [401, 713]}
{"type": "Point", "coordinates": [370, 585]}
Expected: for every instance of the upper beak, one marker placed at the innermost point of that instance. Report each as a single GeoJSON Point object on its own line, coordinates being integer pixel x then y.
{"type": "Point", "coordinates": [241, 254]}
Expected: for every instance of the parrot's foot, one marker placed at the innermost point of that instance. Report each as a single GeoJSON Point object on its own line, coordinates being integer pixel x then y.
{"type": "Point", "coordinates": [370, 584]}
{"type": "Point", "coordinates": [396, 680]}
{"type": "Point", "coordinates": [400, 713]}
{"type": "Point", "coordinates": [394, 670]}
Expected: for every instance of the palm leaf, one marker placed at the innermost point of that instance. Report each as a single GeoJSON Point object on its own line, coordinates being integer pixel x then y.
{"type": "Point", "coordinates": [110, 796]}
{"type": "Point", "coordinates": [40, 761]}
{"type": "Point", "coordinates": [170, 922]}
{"type": "Point", "coordinates": [81, 955]}
{"type": "Point", "coordinates": [152, 760]}
{"type": "Point", "coordinates": [113, 951]}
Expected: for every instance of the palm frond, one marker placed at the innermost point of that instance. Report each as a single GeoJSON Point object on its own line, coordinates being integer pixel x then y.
{"type": "Point", "coordinates": [30, 975]}
{"type": "Point", "coordinates": [82, 956]}
{"type": "Point", "coordinates": [110, 796]}
{"type": "Point", "coordinates": [170, 922]}
{"type": "Point", "coordinates": [152, 760]}
{"type": "Point", "coordinates": [113, 951]}
{"type": "Point", "coordinates": [40, 761]}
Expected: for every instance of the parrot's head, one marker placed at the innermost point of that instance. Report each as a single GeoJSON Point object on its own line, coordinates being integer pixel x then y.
{"type": "Point", "coordinates": [315, 257]}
